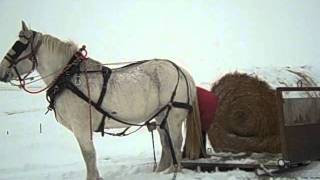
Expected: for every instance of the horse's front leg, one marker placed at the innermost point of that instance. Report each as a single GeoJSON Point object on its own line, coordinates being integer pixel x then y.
{"type": "Point", "coordinates": [89, 156]}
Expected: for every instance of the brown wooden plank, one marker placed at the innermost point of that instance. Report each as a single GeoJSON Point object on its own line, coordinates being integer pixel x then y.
{"type": "Point", "coordinates": [298, 89]}
{"type": "Point", "coordinates": [222, 166]}
{"type": "Point", "coordinates": [302, 142]}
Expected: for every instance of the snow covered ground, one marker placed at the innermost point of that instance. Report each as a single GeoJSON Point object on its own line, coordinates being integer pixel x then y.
{"type": "Point", "coordinates": [27, 154]}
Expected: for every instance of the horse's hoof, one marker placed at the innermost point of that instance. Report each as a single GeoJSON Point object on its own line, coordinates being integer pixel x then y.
{"type": "Point", "coordinates": [99, 178]}
{"type": "Point", "coordinates": [160, 169]}
{"type": "Point", "coordinates": [173, 169]}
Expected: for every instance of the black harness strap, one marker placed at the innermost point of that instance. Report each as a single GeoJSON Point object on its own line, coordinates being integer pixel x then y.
{"type": "Point", "coordinates": [182, 105]}
{"type": "Point", "coordinates": [102, 125]}
{"type": "Point", "coordinates": [81, 95]}
{"type": "Point", "coordinates": [165, 127]}
{"type": "Point", "coordinates": [106, 77]}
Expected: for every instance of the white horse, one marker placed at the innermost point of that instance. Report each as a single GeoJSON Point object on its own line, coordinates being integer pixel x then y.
{"type": "Point", "coordinates": [134, 94]}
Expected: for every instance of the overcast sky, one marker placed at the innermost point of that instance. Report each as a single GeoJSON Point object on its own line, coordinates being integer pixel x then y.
{"type": "Point", "coordinates": [200, 35]}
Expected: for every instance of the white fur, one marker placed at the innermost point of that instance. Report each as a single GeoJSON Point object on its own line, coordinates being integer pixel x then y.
{"type": "Point", "coordinates": [134, 94]}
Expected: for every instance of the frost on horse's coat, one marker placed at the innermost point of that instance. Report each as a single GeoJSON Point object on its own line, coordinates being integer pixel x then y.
{"type": "Point", "coordinates": [134, 93]}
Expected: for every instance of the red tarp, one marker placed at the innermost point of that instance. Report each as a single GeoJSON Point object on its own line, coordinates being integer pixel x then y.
{"type": "Point", "coordinates": [208, 103]}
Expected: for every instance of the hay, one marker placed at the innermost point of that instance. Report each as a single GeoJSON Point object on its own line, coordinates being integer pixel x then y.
{"type": "Point", "coordinates": [246, 119]}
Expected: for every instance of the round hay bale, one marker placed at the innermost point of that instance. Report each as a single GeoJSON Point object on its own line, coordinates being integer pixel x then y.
{"type": "Point", "coordinates": [246, 119]}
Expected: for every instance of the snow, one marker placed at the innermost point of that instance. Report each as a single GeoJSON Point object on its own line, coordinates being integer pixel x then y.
{"type": "Point", "coordinates": [27, 154]}
{"type": "Point", "coordinates": [54, 154]}
{"type": "Point", "coordinates": [208, 37]}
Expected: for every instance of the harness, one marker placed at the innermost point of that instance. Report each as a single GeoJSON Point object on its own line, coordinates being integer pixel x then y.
{"type": "Point", "coordinates": [72, 69]}
{"type": "Point", "coordinates": [64, 82]}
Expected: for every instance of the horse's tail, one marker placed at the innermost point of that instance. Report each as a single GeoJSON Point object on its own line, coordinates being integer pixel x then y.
{"type": "Point", "coordinates": [193, 141]}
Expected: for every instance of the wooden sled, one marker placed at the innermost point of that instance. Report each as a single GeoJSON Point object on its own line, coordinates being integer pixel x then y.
{"type": "Point", "coordinates": [299, 120]}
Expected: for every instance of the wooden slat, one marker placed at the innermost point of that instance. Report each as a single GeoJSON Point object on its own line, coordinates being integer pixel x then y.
{"type": "Point", "coordinates": [222, 166]}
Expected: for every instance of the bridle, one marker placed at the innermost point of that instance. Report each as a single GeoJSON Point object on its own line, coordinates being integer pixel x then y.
{"type": "Point", "coordinates": [19, 47]}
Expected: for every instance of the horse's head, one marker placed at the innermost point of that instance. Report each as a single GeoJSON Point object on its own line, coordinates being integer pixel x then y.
{"type": "Point", "coordinates": [21, 59]}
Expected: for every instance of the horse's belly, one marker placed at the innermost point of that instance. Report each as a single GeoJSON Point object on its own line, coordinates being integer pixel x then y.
{"type": "Point", "coordinates": [135, 105]}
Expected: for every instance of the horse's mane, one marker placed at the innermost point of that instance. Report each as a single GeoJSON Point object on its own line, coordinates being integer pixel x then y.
{"type": "Point", "coordinates": [68, 48]}
{"type": "Point", "coordinates": [65, 48]}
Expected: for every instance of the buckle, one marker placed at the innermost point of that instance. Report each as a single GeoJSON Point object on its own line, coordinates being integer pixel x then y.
{"type": "Point", "coordinates": [77, 80]}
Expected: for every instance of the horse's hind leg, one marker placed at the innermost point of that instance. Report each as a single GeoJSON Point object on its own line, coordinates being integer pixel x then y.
{"type": "Point", "coordinates": [89, 155]}
{"type": "Point", "coordinates": [165, 160]}
{"type": "Point", "coordinates": [174, 128]}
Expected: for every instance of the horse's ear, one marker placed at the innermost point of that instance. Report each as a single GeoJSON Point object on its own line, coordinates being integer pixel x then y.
{"type": "Point", "coordinates": [24, 26]}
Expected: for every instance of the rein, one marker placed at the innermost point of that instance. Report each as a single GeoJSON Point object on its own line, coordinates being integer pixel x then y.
{"type": "Point", "coordinates": [81, 54]}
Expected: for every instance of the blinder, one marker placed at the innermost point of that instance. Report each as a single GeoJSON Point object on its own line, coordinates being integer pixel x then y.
{"type": "Point", "coordinates": [18, 48]}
